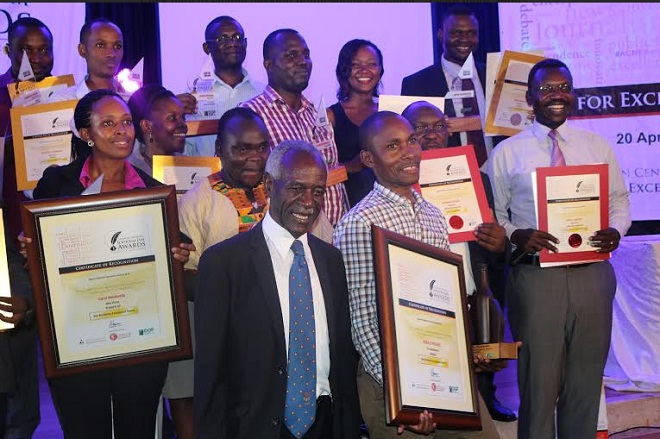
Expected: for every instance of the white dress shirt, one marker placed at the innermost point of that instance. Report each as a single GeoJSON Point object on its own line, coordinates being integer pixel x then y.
{"type": "Point", "coordinates": [279, 242]}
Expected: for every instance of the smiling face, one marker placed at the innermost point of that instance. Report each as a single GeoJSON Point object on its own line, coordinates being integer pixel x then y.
{"type": "Point", "coordinates": [103, 50]}
{"type": "Point", "coordinates": [365, 71]}
{"type": "Point", "coordinates": [243, 150]}
{"type": "Point", "coordinates": [289, 65]}
{"type": "Point", "coordinates": [167, 125]}
{"type": "Point", "coordinates": [551, 109]}
{"type": "Point", "coordinates": [37, 42]}
{"type": "Point", "coordinates": [459, 36]}
{"type": "Point", "coordinates": [394, 154]}
{"type": "Point", "coordinates": [111, 129]}
{"type": "Point", "coordinates": [296, 198]}
{"type": "Point", "coordinates": [230, 54]}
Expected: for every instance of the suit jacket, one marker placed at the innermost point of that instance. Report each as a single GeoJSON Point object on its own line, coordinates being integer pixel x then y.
{"type": "Point", "coordinates": [431, 81]}
{"type": "Point", "coordinates": [241, 358]}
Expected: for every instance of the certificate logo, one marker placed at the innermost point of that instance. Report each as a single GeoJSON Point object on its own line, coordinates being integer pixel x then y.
{"type": "Point", "coordinates": [455, 170]}
{"type": "Point", "coordinates": [119, 240]}
{"type": "Point", "coordinates": [453, 389]}
{"type": "Point", "coordinates": [584, 188]}
{"type": "Point", "coordinates": [58, 122]}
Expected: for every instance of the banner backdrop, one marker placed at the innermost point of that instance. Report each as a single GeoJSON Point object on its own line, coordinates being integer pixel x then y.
{"type": "Point", "coordinates": [613, 52]}
{"type": "Point", "coordinates": [64, 21]}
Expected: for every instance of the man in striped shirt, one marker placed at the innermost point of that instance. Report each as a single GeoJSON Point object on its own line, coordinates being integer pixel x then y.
{"type": "Point", "coordinates": [289, 115]}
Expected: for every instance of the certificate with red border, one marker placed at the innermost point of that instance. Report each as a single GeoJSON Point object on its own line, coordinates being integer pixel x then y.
{"type": "Point", "coordinates": [449, 178]}
{"type": "Point", "coordinates": [572, 204]}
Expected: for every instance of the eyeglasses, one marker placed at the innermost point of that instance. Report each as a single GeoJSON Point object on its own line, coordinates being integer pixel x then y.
{"type": "Point", "coordinates": [224, 40]}
{"type": "Point", "coordinates": [547, 89]}
{"type": "Point", "coordinates": [423, 130]}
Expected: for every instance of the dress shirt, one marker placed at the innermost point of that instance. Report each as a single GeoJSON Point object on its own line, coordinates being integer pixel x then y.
{"type": "Point", "coordinates": [285, 123]}
{"type": "Point", "coordinates": [132, 179]}
{"type": "Point", "coordinates": [451, 71]}
{"type": "Point", "coordinates": [226, 98]}
{"type": "Point", "coordinates": [421, 221]}
{"type": "Point", "coordinates": [514, 159]}
{"type": "Point", "coordinates": [279, 242]}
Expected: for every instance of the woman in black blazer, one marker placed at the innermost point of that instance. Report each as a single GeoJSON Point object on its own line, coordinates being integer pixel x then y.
{"type": "Point", "coordinates": [89, 404]}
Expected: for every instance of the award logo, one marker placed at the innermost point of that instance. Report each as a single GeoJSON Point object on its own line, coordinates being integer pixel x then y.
{"type": "Point", "coordinates": [118, 240]}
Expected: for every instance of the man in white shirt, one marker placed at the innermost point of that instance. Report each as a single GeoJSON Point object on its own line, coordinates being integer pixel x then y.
{"type": "Point", "coordinates": [246, 320]}
{"type": "Point", "coordinates": [562, 315]}
{"type": "Point", "coordinates": [230, 83]}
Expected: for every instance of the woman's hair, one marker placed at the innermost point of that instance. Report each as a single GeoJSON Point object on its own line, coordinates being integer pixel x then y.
{"type": "Point", "coordinates": [82, 116]}
{"type": "Point", "coordinates": [143, 101]}
{"type": "Point", "coordinates": [343, 70]}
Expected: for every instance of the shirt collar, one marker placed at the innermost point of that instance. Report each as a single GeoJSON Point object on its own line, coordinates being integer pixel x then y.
{"type": "Point", "coordinates": [246, 79]}
{"type": "Point", "coordinates": [132, 179]}
{"type": "Point", "coordinates": [452, 68]}
{"type": "Point", "coordinates": [541, 131]}
{"type": "Point", "coordinates": [274, 97]}
{"type": "Point", "coordinates": [396, 198]}
{"type": "Point", "coordinates": [279, 236]}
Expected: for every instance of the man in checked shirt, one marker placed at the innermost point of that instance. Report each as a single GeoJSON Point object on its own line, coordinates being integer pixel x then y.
{"type": "Point", "coordinates": [391, 149]}
{"type": "Point", "coordinates": [289, 115]}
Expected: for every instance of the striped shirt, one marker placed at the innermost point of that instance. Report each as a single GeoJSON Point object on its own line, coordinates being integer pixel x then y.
{"type": "Point", "coordinates": [421, 221]}
{"type": "Point", "coordinates": [285, 123]}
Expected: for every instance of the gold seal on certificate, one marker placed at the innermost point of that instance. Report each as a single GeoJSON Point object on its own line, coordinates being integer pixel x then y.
{"type": "Point", "coordinates": [572, 204]}
{"type": "Point", "coordinates": [427, 358]}
{"type": "Point", "coordinates": [449, 178]}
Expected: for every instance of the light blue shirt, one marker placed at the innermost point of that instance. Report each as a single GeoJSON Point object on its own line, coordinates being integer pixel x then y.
{"type": "Point", "coordinates": [226, 98]}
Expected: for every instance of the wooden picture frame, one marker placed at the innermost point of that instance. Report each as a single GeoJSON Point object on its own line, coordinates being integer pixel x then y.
{"type": "Point", "coordinates": [427, 353]}
{"type": "Point", "coordinates": [107, 291]}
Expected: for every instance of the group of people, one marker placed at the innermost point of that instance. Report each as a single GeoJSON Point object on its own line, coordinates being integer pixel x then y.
{"type": "Point", "coordinates": [279, 266]}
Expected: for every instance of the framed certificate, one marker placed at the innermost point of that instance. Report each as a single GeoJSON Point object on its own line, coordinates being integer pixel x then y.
{"type": "Point", "coordinates": [183, 171]}
{"type": "Point", "coordinates": [5, 288]}
{"type": "Point", "coordinates": [572, 204]}
{"type": "Point", "coordinates": [42, 138]}
{"type": "Point", "coordinates": [427, 355]}
{"type": "Point", "coordinates": [107, 290]}
{"type": "Point", "coordinates": [508, 112]}
{"type": "Point", "coordinates": [449, 178]}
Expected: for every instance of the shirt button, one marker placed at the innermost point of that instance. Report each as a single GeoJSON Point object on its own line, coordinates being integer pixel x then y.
{"type": "Point", "coordinates": [275, 422]}
{"type": "Point", "coordinates": [280, 371]}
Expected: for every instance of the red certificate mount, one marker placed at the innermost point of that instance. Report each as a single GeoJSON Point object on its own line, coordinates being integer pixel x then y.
{"type": "Point", "coordinates": [577, 193]}
{"type": "Point", "coordinates": [457, 220]}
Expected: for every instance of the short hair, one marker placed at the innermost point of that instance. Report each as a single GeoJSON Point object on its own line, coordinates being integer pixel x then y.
{"type": "Point", "coordinates": [269, 42]}
{"type": "Point", "coordinates": [369, 125]}
{"type": "Point", "coordinates": [415, 105]}
{"type": "Point", "coordinates": [241, 113]}
{"type": "Point", "coordinates": [86, 28]}
{"type": "Point", "coordinates": [82, 115]}
{"type": "Point", "coordinates": [215, 21]}
{"type": "Point", "coordinates": [344, 60]}
{"type": "Point", "coordinates": [456, 11]}
{"type": "Point", "coordinates": [142, 102]}
{"type": "Point", "coordinates": [548, 63]}
{"type": "Point", "coordinates": [275, 159]}
{"type": "Point", "coordinates": [28, 22]}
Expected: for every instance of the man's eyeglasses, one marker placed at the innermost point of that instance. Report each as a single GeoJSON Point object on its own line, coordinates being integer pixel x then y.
{"type": "Point", "coordinates": [224, 40]}
{"type": "Point", "coordinates": [547, 89]}
{"type": "Point", "coordinates": [423, 130]}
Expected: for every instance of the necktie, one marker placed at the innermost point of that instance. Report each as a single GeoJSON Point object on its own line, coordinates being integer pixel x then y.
{"type": "Point", "coordinates": [300, 408]}
{"type": "Point", "coordinates": [474, 138]}
{"type": "Point", "coordinates": [556, 156]}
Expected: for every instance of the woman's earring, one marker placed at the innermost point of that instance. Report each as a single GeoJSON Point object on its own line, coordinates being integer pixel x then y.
{"type": "Point", "coordinates": [90, 143]}
{"type": "Point", "coordinates": [151, 137]}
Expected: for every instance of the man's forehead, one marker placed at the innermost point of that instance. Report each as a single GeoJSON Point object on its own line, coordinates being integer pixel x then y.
{"type": "Point", "coordinates": [227, 26]}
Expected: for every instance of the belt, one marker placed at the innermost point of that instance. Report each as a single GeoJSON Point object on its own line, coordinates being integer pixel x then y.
{"type": "Point", "coordinates": [534, 260]}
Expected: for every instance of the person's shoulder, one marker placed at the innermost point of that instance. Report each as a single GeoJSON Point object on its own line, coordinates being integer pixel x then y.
{"type": "Point", "coordinates": [148, 180]}
{"type": "Point", "coordinates": [361, 212]}
{"type": "Point", "coordinates": [323, 246]}
{"type": "Point", "coordinates": [54, 178]}
{"type": "Point", "coordinates": [425, 72]}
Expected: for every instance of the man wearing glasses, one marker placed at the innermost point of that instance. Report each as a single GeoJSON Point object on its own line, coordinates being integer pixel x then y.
{"type": "Point", "coordinates": [563, 314]}
{"type": "Point", "coordinates": [225, 41]}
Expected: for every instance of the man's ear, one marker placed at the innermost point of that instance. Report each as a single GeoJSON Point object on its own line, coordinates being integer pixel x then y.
{"type": "Point", "coordinates": [529, 98]}
{"type": "Point", "coordinates": [206, 48]}
{"type": "Point", "coordinates": [218, 149]}
{"type": "Point", "coordinates": [267, 64]}
{"type": "Point", "coordinates": [82, 50]}
{"type": "Point", "coordinates": [367, 158]}
{"type": "Point", "coordinates": [6, 49]}
{"type": "Point", "coordinates": [439, 35]}
{"type": "Point", "coordinates": [268, 184]}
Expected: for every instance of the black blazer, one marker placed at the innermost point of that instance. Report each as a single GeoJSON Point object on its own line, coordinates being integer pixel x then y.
{"type": "Point", "coordinates": [431, 81]}
{"type": "Point", "coordinates": [64, 181]}
{"type": "Point", "coordinates": [240, 358]}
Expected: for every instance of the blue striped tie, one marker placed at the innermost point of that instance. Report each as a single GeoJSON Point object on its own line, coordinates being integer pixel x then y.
{"type": "Point", "coordinates": [300, 408]}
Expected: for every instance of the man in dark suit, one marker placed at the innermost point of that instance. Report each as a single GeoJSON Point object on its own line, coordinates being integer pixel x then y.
{"type": "Point", "coordinates": [430, 126]}
{"type": "Point", "coordinates": [459, 37]}
{"type": "Point", "coordinates": [244, 361]}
